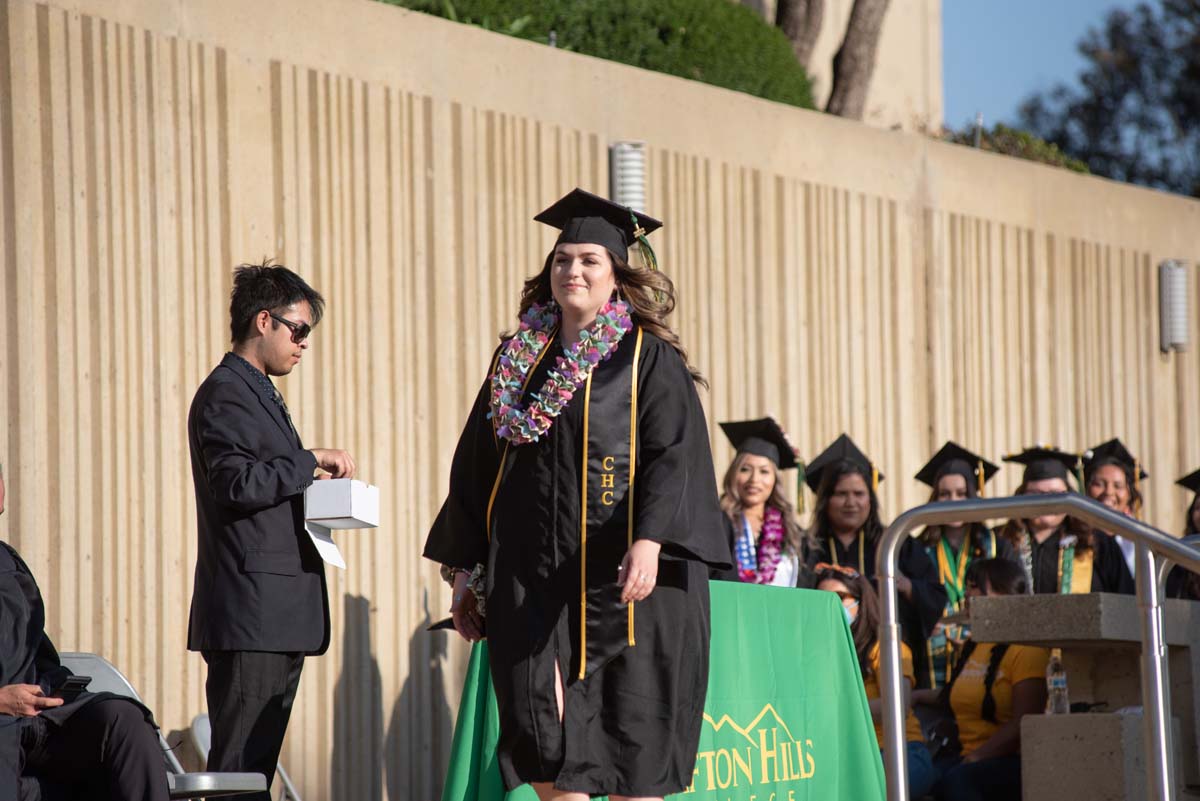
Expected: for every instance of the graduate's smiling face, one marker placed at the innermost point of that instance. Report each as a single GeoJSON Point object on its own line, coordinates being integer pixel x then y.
{"type": "Point", "coordinates": [754, 480]}
{"type": "Point", "coordinates": [1109, 486]}
{"type": "Point", "coordinates": [582, 279]}
{"type": "Point", "coordinates": [849, 503]}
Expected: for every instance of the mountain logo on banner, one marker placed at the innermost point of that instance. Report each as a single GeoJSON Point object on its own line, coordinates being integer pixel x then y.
{"type": "Point", "coordinates": [741, 758]}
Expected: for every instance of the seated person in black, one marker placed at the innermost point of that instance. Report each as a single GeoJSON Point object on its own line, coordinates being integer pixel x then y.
{"type": "Point", "coordinates": [98, 745]}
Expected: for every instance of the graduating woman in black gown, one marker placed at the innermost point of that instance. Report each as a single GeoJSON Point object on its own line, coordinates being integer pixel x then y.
{"type": "Point", "coordinates": [1183, 583]}
{"type": "Point", "coordinates": [955, 474]}
{"type": "Point", "coordinates": [1114, 476]}
{"type": "Point", "coordinates": [582, 521]}
{"type": "Point", "coordinates": [847, 529]}
{"type": "Point", "coordinates": [1059, 553]}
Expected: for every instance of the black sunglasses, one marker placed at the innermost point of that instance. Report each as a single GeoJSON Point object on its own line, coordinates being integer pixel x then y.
{"type": "Point", "coordinates": [300, 331]}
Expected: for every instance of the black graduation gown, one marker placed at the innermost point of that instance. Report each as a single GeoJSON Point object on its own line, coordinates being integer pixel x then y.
{"type": "Point", "coordinates": [632, 725]}
{"type": "Point", "coordinates": [27, 656]}
{"type": "Point", "coordinates": [1109, 572]}
{"type": "Point", "coordinates": [918, 616]}
{"type": "Point", "coordinates": [1182, 584]}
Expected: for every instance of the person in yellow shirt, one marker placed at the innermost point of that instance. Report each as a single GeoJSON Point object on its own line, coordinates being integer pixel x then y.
{"type": "Point", "coordinates": [861, 605]}
{"type": "Point", "coordinates": [993, 686]}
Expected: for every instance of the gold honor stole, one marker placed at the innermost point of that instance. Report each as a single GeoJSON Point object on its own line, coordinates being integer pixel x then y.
{"type": "Point", "coordinates": [607, 473]}
{"type": "Point", "coordinates": [1074, 571]}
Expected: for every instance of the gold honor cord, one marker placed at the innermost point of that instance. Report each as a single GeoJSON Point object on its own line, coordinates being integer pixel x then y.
{"type": "Point", "coordinates": [587, 402]}
{"type": "Point", "coordinates": [633, 405]}
{"type": "Point", "coordinates": [504, 456]}
{"type": "Point", "coordinates": [833, 554]}
{"type": "Point", "coordinates": [946, 575]}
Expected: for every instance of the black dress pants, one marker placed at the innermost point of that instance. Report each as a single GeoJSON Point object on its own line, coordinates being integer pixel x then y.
{"type": "Point", "coordinates": [250, 695]}
{"type": "Point", "coordinates": [106, 750]}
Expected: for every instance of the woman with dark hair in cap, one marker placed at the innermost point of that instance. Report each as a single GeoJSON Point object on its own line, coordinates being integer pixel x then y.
{"type": "Point", "coordinates": [767, 543]}
{"type": "Point", "coordinates": [582, 518]}
{"type": "Point", "coordinates": [847, 528]}
{"type": "Point", "coordinates": [955, 474]}
{"type": "Point", "coordinates": [1182, 583]}
{"type": "Point", "coordinates": [1058, 552]}
{"type": "Point", "coordinates": [1113, 476]}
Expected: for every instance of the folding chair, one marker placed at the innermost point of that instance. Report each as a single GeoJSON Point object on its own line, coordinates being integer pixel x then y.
{"type": "Point", "coordinates": [201, 734]}
{"type": "Point", "coordinates": [106, 678]}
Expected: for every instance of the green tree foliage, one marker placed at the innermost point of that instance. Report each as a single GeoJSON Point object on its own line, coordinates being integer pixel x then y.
{"type": "Point", "coordinates": [1014, 142]}
{"type": "Point", "coordinates": [714, 41]}
{"type": "Point", "coordinates": [1135, 113]}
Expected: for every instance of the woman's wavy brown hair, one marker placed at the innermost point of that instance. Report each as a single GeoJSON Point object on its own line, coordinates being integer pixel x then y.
{"type": "Point", "coordinates": [649, 293]}
{"type": "Point", "coordinates": [796, 538]}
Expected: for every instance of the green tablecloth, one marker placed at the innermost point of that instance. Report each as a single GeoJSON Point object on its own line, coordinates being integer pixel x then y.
{"type": "Point", "coordinates": [785, 718]}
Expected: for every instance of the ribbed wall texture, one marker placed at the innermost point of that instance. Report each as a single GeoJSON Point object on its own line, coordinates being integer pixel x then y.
{"type": "Point", "coordinates": [838, 277]}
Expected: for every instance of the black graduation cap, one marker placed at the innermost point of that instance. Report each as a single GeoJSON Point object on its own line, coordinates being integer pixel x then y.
{"type": "Point", "coordinates": [1113, 451]}
{"type": "Point", "coordinates": [1042, 462]}
{"type": "Point", "coordinates": [585, 218]}
{"type": "Point", "coordinates": [842, 449]}
{"type": "Point", "coordinates": [762, 437]}
{"type": "Point", "coordinates": [1191, 481]}
{"type": "Point", "coordinates": [953, 458]}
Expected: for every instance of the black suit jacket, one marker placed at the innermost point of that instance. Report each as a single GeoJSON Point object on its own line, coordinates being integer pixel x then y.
{"type": "Point", "coordinates": [260, 584]}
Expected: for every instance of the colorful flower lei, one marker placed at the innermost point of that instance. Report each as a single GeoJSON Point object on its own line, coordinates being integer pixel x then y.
{"type": "Point", "coordinates": [770, 550]}
{"type": "Point", "coordinates": [520, 354]}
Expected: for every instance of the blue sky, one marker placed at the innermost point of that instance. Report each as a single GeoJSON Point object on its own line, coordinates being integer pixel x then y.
{"type": "Point", "coordinates": [996, 54]}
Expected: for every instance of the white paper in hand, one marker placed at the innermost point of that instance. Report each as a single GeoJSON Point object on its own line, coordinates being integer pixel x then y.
{"type": "Point", "coordinates": [322, 537]}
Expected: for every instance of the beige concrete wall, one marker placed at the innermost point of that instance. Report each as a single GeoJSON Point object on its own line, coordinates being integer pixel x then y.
{"type": "Point", "coordinates": [837, 276]}
{"type": "Point", "coordinates": [906, 89]}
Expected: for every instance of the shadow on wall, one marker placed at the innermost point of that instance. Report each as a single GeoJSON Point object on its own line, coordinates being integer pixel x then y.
{"type": "Point", "coordinates": [357, 761]}
{"type": "Point", "coordinates": [419, 734]}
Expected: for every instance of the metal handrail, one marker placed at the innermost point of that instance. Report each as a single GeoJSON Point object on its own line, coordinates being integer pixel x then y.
{"type": "Point", "coordinates": [1149, 541]}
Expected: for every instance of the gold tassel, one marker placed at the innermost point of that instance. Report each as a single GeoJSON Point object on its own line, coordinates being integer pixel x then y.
{"type": "Point", "coordinates": [801, 474]}
{"type": "Point", "coordinates": [979, 472]}
{"type": "Point", "coordinates": [874, 479]}
{"type": "Point", "coordinates": [649, 260]}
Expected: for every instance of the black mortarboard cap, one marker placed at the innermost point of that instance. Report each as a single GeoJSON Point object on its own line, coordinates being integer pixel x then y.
{"type": "Point", "coordinates": [762, 437]}
{"type": "Point", "coordinates": [1042, 462]}
{"type": "Point", "coordinates": [842, 449]}
{"type": "Point", "coordinates": [1113, 451]}
{"type": "Point", "coordinates": [953, 458]}
{"type": "Point", "coordinates": [1191, 481]}
{"type": "Point", "coordinates": [585, 218]}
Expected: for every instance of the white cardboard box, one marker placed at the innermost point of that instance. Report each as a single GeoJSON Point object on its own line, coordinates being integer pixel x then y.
{"type": "Point", "coordinates": [342, 503]}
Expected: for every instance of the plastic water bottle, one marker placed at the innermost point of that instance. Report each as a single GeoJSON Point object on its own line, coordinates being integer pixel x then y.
{"type": "Point", "coordinates": [1058, 702]}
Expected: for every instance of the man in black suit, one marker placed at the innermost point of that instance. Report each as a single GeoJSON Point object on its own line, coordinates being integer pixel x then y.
{"type": "Point", "coordinates": [96, 745]}
{"type": "Point", "coordinates": [259, 603]}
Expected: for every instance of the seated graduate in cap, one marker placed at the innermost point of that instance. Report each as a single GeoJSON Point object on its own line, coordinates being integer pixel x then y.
{"type": "Point", "coordinates": [846, 527]}
{"type": "Point", "coordinates": [955, 474]}
{"type": "Point", "coordinates": [582, 517]}
{"type": "Point", "coordinates": [1058, 552]}
{"type": "Point", "coordinates": [1114, 476]}
{"type": "Point", "coordinates": [1182, 583]}
{"type": "Point", "coordinates": [767, 542]}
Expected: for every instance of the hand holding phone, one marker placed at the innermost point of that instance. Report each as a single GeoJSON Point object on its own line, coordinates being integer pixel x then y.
{"type": "Point", "coordinates": [70, 689]}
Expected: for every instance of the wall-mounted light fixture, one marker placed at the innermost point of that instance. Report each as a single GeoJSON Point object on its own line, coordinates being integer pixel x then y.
{"type": "Point", "coordinates": [1173, 305]}
{"type": "Point", "coordinates": [627, 174]}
